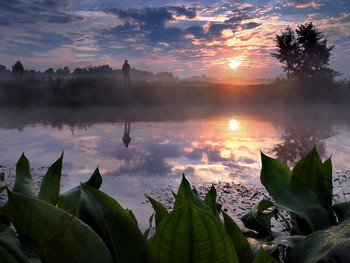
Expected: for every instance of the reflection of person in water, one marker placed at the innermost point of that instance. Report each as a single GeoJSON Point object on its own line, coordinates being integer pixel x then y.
{"type": "Point", "coordinates": [126, 69]}
{"type": "Point", "coordinates": [126, 136]}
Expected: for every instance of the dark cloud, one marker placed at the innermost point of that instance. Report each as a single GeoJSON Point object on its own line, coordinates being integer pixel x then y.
{"type": "Point", "coordinates": [189, 13]}
{"type": "Point", "coordinates": [27, 12]}
{"type": "Point", "coordinates": [166, 35]}
{"type": "Point", "coordinates": [250, 25]}
{"type": "Point", "coordinates": [215, 30]}
{"type": "Point", "coordinates": [151, 18]}
{"type": "Point", "coordinates": [197, 31]}
{"type": "Point", "coordinates": [238, 17]}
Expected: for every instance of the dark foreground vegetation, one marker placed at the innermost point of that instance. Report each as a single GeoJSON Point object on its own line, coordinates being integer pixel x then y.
{"type": "Point", "coordinates": [86, 225]}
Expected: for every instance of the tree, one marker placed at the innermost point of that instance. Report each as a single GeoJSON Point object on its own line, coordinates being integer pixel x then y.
{"type": "Point", "coordinates": [305, 53]}
{"type": "Point", "coordinates": [49, 71]}
{"type": "Point", "coordinates": [63, 71]}
{"type": "Point", "coordinates": [2, 69]}
{"type": "Point", "coordinates": [18, 68]}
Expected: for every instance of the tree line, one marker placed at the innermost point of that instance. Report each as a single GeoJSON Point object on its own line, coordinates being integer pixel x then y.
{"type": "Point", "coordinates": [18, 71]}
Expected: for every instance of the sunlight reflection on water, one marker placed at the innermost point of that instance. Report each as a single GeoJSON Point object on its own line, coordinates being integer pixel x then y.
{"type": "Point", "coordinates": [225, 147]}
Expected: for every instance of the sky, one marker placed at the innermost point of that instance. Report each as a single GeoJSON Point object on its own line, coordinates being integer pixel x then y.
{"type": "Point", "coordinates": [217, 38]}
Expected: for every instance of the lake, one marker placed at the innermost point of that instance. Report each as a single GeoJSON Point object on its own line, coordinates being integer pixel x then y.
{"type": "Point", "coordinates": [207, 144]}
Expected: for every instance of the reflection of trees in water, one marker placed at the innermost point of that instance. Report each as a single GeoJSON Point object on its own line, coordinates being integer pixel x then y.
{"type": "Point", "coordinates": [299, 139]}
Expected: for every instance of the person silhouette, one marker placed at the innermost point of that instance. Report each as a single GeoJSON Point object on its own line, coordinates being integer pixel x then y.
{"type": "Point", "coordinates": [126, 136]}
{"type": "Point", "coordinates": [126, 69]}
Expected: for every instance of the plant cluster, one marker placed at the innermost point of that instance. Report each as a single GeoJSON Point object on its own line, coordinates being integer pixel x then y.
{"type": "Point", "coordinates": [86, 225]}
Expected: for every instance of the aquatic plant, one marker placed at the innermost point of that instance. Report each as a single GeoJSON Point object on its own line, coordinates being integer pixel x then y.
{"type": "Point", "coordinates": [86, 225]}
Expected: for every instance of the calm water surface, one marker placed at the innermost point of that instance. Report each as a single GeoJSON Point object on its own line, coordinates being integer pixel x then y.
{"type": "Point", "coordinates": [206, 144]}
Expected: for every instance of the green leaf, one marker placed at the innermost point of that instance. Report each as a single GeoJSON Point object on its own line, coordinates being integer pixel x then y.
{"type": "Point", "coordinates": [210, 200]}
{"type": "Point", "coordinates": [132, 215]}
{"type": "Point", "coordinates": [185, 193]}
{"type": "Point", "coordinates": [160, 210]}
{"type": "Point", "coordinates": [114, 225]}
{"type": "Point", "coordinates": [145, 235]}
{"type": "Point", "coordinates": [191, 234]}
{"type": "Point", "coordinates": [288, 241]}
{"type": "Point", "coordinates": [264, 257]}
{"type": "Point", "coordinates": [292, 195]}
{"type": "Point", "coordinates": [238, 239]}
{"type": "Point", "coordinates": [50, 185]}
{"type": "Point", "coordinates": [342, 210]}
{"type": "Point", "coordinates": [258, 219]}
{"type": "Point", "coordinates": [10, 246]}
{"type": "Point", "coordinates": [69, 200]}
{"type": "Point", "coordinates": [56, 235]}
{"type": "Point", "coordinates": [24, 182]}
{"type": "Point", "coordinates": [264, 205]}
{"type": "Point", "coordinates": [312, 173]}
{"type": "Point", "coordinates": [95, 180]}
{"type": "Point", "coordinates": [333, 242]}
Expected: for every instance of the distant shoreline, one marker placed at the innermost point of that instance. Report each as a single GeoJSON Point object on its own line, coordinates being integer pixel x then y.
{"type": "Point", "coordinates": [111, 91]}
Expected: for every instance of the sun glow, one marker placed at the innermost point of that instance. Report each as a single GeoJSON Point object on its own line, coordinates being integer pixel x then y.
{"type": "Point", "coordinates": [234, 63]}
{"type": "Point", "coordinates": [233, 124]}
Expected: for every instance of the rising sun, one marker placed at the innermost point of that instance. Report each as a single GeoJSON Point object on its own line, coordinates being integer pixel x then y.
{"type": "Point", "coordinates": [234, 63]}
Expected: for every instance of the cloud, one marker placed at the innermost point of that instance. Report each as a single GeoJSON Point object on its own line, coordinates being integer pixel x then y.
{"type": "Point", "coordinates": [147, 159]}
{"type": "Point", "coordinates": [305, 3]}
{"type": "Point", "coordinates": [151, 18]}
{"type": "Point", "coordinates": [238, 17]}
{"type": "Point", "coordinates": [215, 30]}
{"type": "Point", "coordinates": [197, 31]}
{"type": "Point", "coordinates": [250, 25]}
{"type": "Point", "coordinates": [28, 12]}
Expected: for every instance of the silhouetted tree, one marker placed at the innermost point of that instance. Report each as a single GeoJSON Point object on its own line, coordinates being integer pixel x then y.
{"type": "Point", "coordinates": [49, 71]}
{"type": "Point", "coordinates": [18, 68]}
{"type": "Point", "coordinates": [80, 72]}
{"type": "Point", "coordinates": [2, 69]}
{"type": "Point", "coordinates": [288, 50]}
{"type": "Point", "coordinates": [63, 72]}
{"type": "Point", "coordinates": [305, 53]}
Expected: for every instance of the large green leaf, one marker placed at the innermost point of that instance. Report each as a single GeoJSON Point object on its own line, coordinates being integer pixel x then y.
{"type": "Point", "coordinates": [191, 234]}
{"type": "Point", "coordinates": [291, 194]}
{"type": "Point", "coordinates": [185, 193]}
{"type": "Point", "coordinates": [50, 185]}
{"type": "Point", "coordinates": [69, 200]}
{"type": "Point", "coordinates": [160, 210]}
{"type": "Point", "coordinates": [264, 257]}
{"type": "Point", "coordinates": [238, 239]}
{"type": "Point", "coordinates": [312, 173]}
{"type": "Point", "coordinates": [56, 235]}
{"type": "Point", "coordinates": [114, 225]}
{"type": "Point", "coordinates": [342, 210]}
{"type": "Point", "coordinates": [210, 200]}
{"type": "Point", "coordinates": [258, 218]}
{"type": "Point", "coordinates": [333, 242]}
{"type": "Point", "coordinates": [24, 182]}
{"type": "Point", "coordinates": [10, 246]}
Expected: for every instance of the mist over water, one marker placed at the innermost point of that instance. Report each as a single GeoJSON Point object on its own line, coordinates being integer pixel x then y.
{"type": "Point", "coordinates": [207, 144]}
